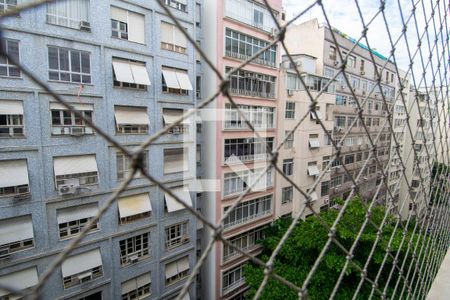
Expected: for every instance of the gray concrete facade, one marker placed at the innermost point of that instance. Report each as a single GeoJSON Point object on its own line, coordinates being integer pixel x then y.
{"type": "Point", "coordinates": [39, 147]}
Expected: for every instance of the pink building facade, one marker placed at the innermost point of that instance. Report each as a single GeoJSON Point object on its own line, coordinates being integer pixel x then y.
{"type": "Point", "coordinates": [238, 29]}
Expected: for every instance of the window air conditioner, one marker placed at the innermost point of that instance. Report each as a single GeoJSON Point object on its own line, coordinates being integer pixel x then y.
{"type": "Point", "coordinates": [85, 26]}
{"type": "Point", "coordinates": [68, 189]}
{"type": "Point", "coordinates": [76, 131]}
{"type": "Point", "coordinates": [273, 32]}
{"type": "Point", "coordinates": [362, 73]}
{"type": "Point", "coordinates": [290, 92]}
{"type": "Point", "coordinates": [185, 239]}
{"type": "Point", "coordinates": [133, 259]}
{"type": "Point", "coordinates": [85, 277]}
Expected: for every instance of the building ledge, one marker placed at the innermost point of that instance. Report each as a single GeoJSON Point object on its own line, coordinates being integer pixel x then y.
{"type": "Point", "coordinates": [440, 289]}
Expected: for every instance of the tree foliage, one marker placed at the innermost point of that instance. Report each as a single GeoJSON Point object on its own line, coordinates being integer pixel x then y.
{"type": "Point", "coordinates": [439, 183]}
{"type": "Point", "coordinates": [301, 250]}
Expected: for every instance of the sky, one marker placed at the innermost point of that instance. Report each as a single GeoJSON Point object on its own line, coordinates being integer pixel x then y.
{"type": "Point", "coordinates": [343, 15]}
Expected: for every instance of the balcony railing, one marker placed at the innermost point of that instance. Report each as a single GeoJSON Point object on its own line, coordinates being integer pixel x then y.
{"type": "Point", "coordinates": [242, 92]}
{"type": "Point", "coordinates": [258, 60]}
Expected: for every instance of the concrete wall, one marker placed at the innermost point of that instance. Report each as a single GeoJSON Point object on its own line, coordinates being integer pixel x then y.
{"type": "Point", "coordinates": [39, 147]}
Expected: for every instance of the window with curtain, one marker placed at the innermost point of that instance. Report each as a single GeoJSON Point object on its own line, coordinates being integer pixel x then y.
{"type": "Point", "coordinates": [68, 13]}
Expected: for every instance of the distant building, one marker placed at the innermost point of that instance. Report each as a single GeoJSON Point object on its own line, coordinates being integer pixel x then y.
{"type": "Point", "coordinates": [313, 39]}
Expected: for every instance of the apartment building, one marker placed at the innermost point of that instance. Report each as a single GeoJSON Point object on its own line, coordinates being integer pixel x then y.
{"type": "Point", "coordinates": [428, 119]}
{"type": "Point", "coordinates": [400, 131]}
{"type": "Point", "coordinates": [314, 39]}
{"type": "Point", "coordinates": [308, 150]}
{"type": "Point", "coordinates": [235, 156]}
{"type": "Point", "coordinates": [125, 66]}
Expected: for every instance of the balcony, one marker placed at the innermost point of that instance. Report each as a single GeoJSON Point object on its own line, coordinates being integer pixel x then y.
{"type": "Point", "coordinates": [247, 93]}
{"type": "Point", "coordinates": [257, 60]}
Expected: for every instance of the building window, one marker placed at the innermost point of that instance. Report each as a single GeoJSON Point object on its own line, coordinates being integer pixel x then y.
{"type": "Point", "coordinates": [16, 234]}
{"type": "Point", "coordinates": [232, 278]}
{"type": "Point", "coordinates": [133, 208]}
{"type": "Point", "coordinates": [69, 13]}
{"type": "Point", "coordinates": [248, 211]}
{"type": "Point", "coordinates": [339, 121]}
{"type": "Point", "coordinates": [69, 65]}
{"type": "Point", "coordinates": [7, 5]}
{"type": "Point", "coordinates": [242, 46]}
{"type": "Point", "coordinates": [172, 38]}
{"type": "Point", "coordinates": [65, 122]}
{"type": "Point", "coordinates": [72, 220]}
{"type": "Point", "coordinates": [288, 166]}
{"type": "Point", "coordinates": [177, 235]}
{"type": "Point", "coordinates": [325, 162]}
{"type": "Point", "coordinates": [14, 178]}
{"type": "Point", "coordinates": [258, 116]}
{"type": "Point", "coordinates": [336, 181]}
{"type": "Point", "coordinates": [22, 280]}
{"type": "Point", "coordinates": [246, 241]}
{"type": "Point", "coordinates": [72, 172]}
{"type": "Point", "coordinates": [341, 100]}
{"type": "Point", "coordinates": [137, 288]}
{"type": "Point", "coordinates": [131, 120]}
{"type": "Point", "coordinates": [248, 149]}
{"type": "Point", "coordinates": [7, 68]}
{"type": "Point", "coordinates": [130, 74]}
{"type": "Point", "coordinates": [332, 53]}
{"type": "Point", "coordinates": [361, 67]}
{"type": "Point", "coordinates": [236, 182]}
{"type": "Point", "coordinates": [176, 160]}
{"type": "Point", "coordinates": [251, 13]}
{"type": "Point", "coordinates": [198, 154]}
{"type": "Point", "coordinates": [170, 116]}
{"type": "Point", "coordinates": [177, 4]}
{"type": "Point", "coordinates": [11, 119]}
{"type": "Point", "coordinates": [324, 189]}
{"type": "Point", "coordinates": [198, 15]}
{"type": "Point", "coordinates": [287, 194]}
{"type": "Point", "coordinates": [313, 141]}
{"type": "Point", "coordinates": [175, 81]}
{"type": "Point", "coordinates": [198, 87]}
{"type": "Point", "coordinates": [127, 25]}
{"type": "Point", "coordinates": [351, 60]}
{"type": "Point", "coordinates": [289, 140]}
{"type": "Point", "coordinates": [177, 270]}
{"type": "Point", "coordinates": [246, 83]}
{"type": "Point", "coordinates": [134, 249]}
{"type": "Point", "coordinates": [290, 110]}
{"type": "Point", "coordinates": [124, 165]}
{"type": "Point", "coordinates": [81, 268]}
{"type": "Point", "coordinates": [349, 159]}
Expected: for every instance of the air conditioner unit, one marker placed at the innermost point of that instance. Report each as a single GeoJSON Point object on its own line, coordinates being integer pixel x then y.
{"type": "Point", "coordinates": [185, 239]}
{"type": "Point", "coordinates": [290, 92]}
{"type": "Point", "coordinates": [362, 73]}
{"type": "Point", "coordinates": [85, 26]}
{"type": "Point", "coordinates": [85, 277]}
{"type": "Point", "coordinates": [77, 131]}
{"type": "Point", "coordinates": [68, 189]}
{"type": "Point", "coordinates": [133, 259]}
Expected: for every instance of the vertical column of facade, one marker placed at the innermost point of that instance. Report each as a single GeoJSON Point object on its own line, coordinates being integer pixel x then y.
{"type": "Point", "coordinates": [129, 69]}
{"type": "Point", "coordinates": [308, 150]}
{"type": "Point", "coordinates": [237, 156]}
